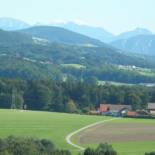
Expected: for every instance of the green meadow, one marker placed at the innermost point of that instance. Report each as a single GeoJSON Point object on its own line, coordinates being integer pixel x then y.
{"type": "Point", "coordinates": [50, 125]}
{"type": "Point", "coordinates": [56, 126]}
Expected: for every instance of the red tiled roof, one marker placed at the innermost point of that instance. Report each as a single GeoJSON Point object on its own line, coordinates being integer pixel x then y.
{"type": "Point", "coordinates": [104, 107]}
{"type": "Point", "coordinates": [113, 107]}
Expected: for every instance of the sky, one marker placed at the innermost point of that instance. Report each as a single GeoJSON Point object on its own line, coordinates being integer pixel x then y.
{"type": "Point", "coordinates": [115, 16]}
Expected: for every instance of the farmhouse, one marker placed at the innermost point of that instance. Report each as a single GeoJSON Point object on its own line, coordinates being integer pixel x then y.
{"type": "Point", "coordinates": [111, 109]}
{"type": "Point", "coordinates": [151, 108]}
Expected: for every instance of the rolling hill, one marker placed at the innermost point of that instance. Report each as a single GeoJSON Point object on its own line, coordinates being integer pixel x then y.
{"type": "Point", "coordinates": [26, 57]}
{"type": "Point", "coordinates": [7, 38]}
{"type": "Point", "coordinates": [61, 35]}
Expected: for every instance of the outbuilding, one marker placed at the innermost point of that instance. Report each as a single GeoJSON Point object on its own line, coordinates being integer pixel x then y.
{"type": "Point", "coordinates": [151, 108]}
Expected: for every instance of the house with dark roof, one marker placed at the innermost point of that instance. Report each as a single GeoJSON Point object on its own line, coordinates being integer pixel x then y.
{"type": "Point", "coordinates": [151, 108]}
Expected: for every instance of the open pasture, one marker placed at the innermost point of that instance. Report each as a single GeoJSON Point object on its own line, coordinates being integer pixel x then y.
{"type": "Point", "coordinates": [128, 136]}
{"type": "Point", "coordinates": [50, 125]}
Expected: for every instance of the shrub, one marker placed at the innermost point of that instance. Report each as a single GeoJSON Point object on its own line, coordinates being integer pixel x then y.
{"type": "Point", "coordinates": [151, 153]}
{"type": "Point", "coordinates": [102, 149]}
{"type": "Point", "coordinates": [29, 146]}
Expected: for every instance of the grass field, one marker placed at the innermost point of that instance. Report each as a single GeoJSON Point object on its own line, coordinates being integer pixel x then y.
{"type": "Point", "coordinates": [56, 126]}
{"type": "Point", "coordinates": [128, 136]}
{"type": "Point", "coordinates": [53, 126]}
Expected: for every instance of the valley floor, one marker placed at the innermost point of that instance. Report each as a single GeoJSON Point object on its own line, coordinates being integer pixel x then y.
{"type": "Point", "coordinates": [128, 136]}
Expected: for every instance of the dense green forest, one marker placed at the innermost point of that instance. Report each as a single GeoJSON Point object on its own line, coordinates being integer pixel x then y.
{"type": "Point", "coordinates": [69, 96]}
{"type": "Point", "coordinates": [57, 62]}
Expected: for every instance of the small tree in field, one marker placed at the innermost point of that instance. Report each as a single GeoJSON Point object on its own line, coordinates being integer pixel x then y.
{"type": "Point", "coordinates": [71, 107]}
{"type": "Point", "coordinates": [105, 149]}
{"type": "Point", "coordinates": [89, 151]}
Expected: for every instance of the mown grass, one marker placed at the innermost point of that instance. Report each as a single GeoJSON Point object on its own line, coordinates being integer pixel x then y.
{"type": "Point", "coordinates": [56, 126]}
{"type": "Point", "coordinates": [53, 126]}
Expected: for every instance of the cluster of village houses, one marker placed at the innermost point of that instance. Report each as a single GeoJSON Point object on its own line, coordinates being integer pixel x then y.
{"type": "Point", "coordinates": [120, 110]}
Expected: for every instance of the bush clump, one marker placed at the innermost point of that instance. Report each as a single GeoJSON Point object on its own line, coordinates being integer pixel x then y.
{"type": "Point", "coordinates": [29, 146]}
{"type": "Point", "coordinates": [102, 149]}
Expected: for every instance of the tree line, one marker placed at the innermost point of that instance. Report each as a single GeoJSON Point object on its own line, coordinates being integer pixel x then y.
{"type": "Point", "coordinates": [69, 96]}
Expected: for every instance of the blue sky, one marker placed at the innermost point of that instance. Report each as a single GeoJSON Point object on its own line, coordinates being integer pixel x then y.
{"type": "Point", "coordinates": [114, 15]}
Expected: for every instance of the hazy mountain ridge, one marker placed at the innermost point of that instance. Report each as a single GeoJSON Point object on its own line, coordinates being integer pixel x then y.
{"type": "Point", "coordinates": [94, 32]}
{"type": "Point", "coordinates": [10, 24]}
{"type": "Point", "coordinates": [135, 32]}
{"type": "Point", "coordinates": [140, 44]}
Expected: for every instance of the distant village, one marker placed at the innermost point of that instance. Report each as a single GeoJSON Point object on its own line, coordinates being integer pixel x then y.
{"type": "Point", "coordinates": [120, 110]}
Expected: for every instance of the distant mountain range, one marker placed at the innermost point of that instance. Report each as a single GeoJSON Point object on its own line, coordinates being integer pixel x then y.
{"type": "Point", "coordinates": [139, 40]}
{"type": "Point", "coordinates": [133, 33]}
{"type": "Point", "coordinates": [10, 24]}
{"type": "Point", "coordinates": [101, 34]}
{"type": "Point", "coordinates": [94, 32]}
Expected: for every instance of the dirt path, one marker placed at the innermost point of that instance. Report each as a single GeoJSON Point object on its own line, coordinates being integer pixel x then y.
{"type": "Point", "coordinates": [69, 136]}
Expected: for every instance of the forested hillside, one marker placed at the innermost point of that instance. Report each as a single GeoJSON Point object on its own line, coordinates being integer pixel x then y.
{"type": "Point", "coordinates": [14, 38]}
{"type": "Point", "coordinates": [26, 57]}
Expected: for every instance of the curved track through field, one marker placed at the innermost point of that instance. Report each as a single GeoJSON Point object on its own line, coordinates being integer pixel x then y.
{"type": "Point", "coordinates": [69, 136]}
